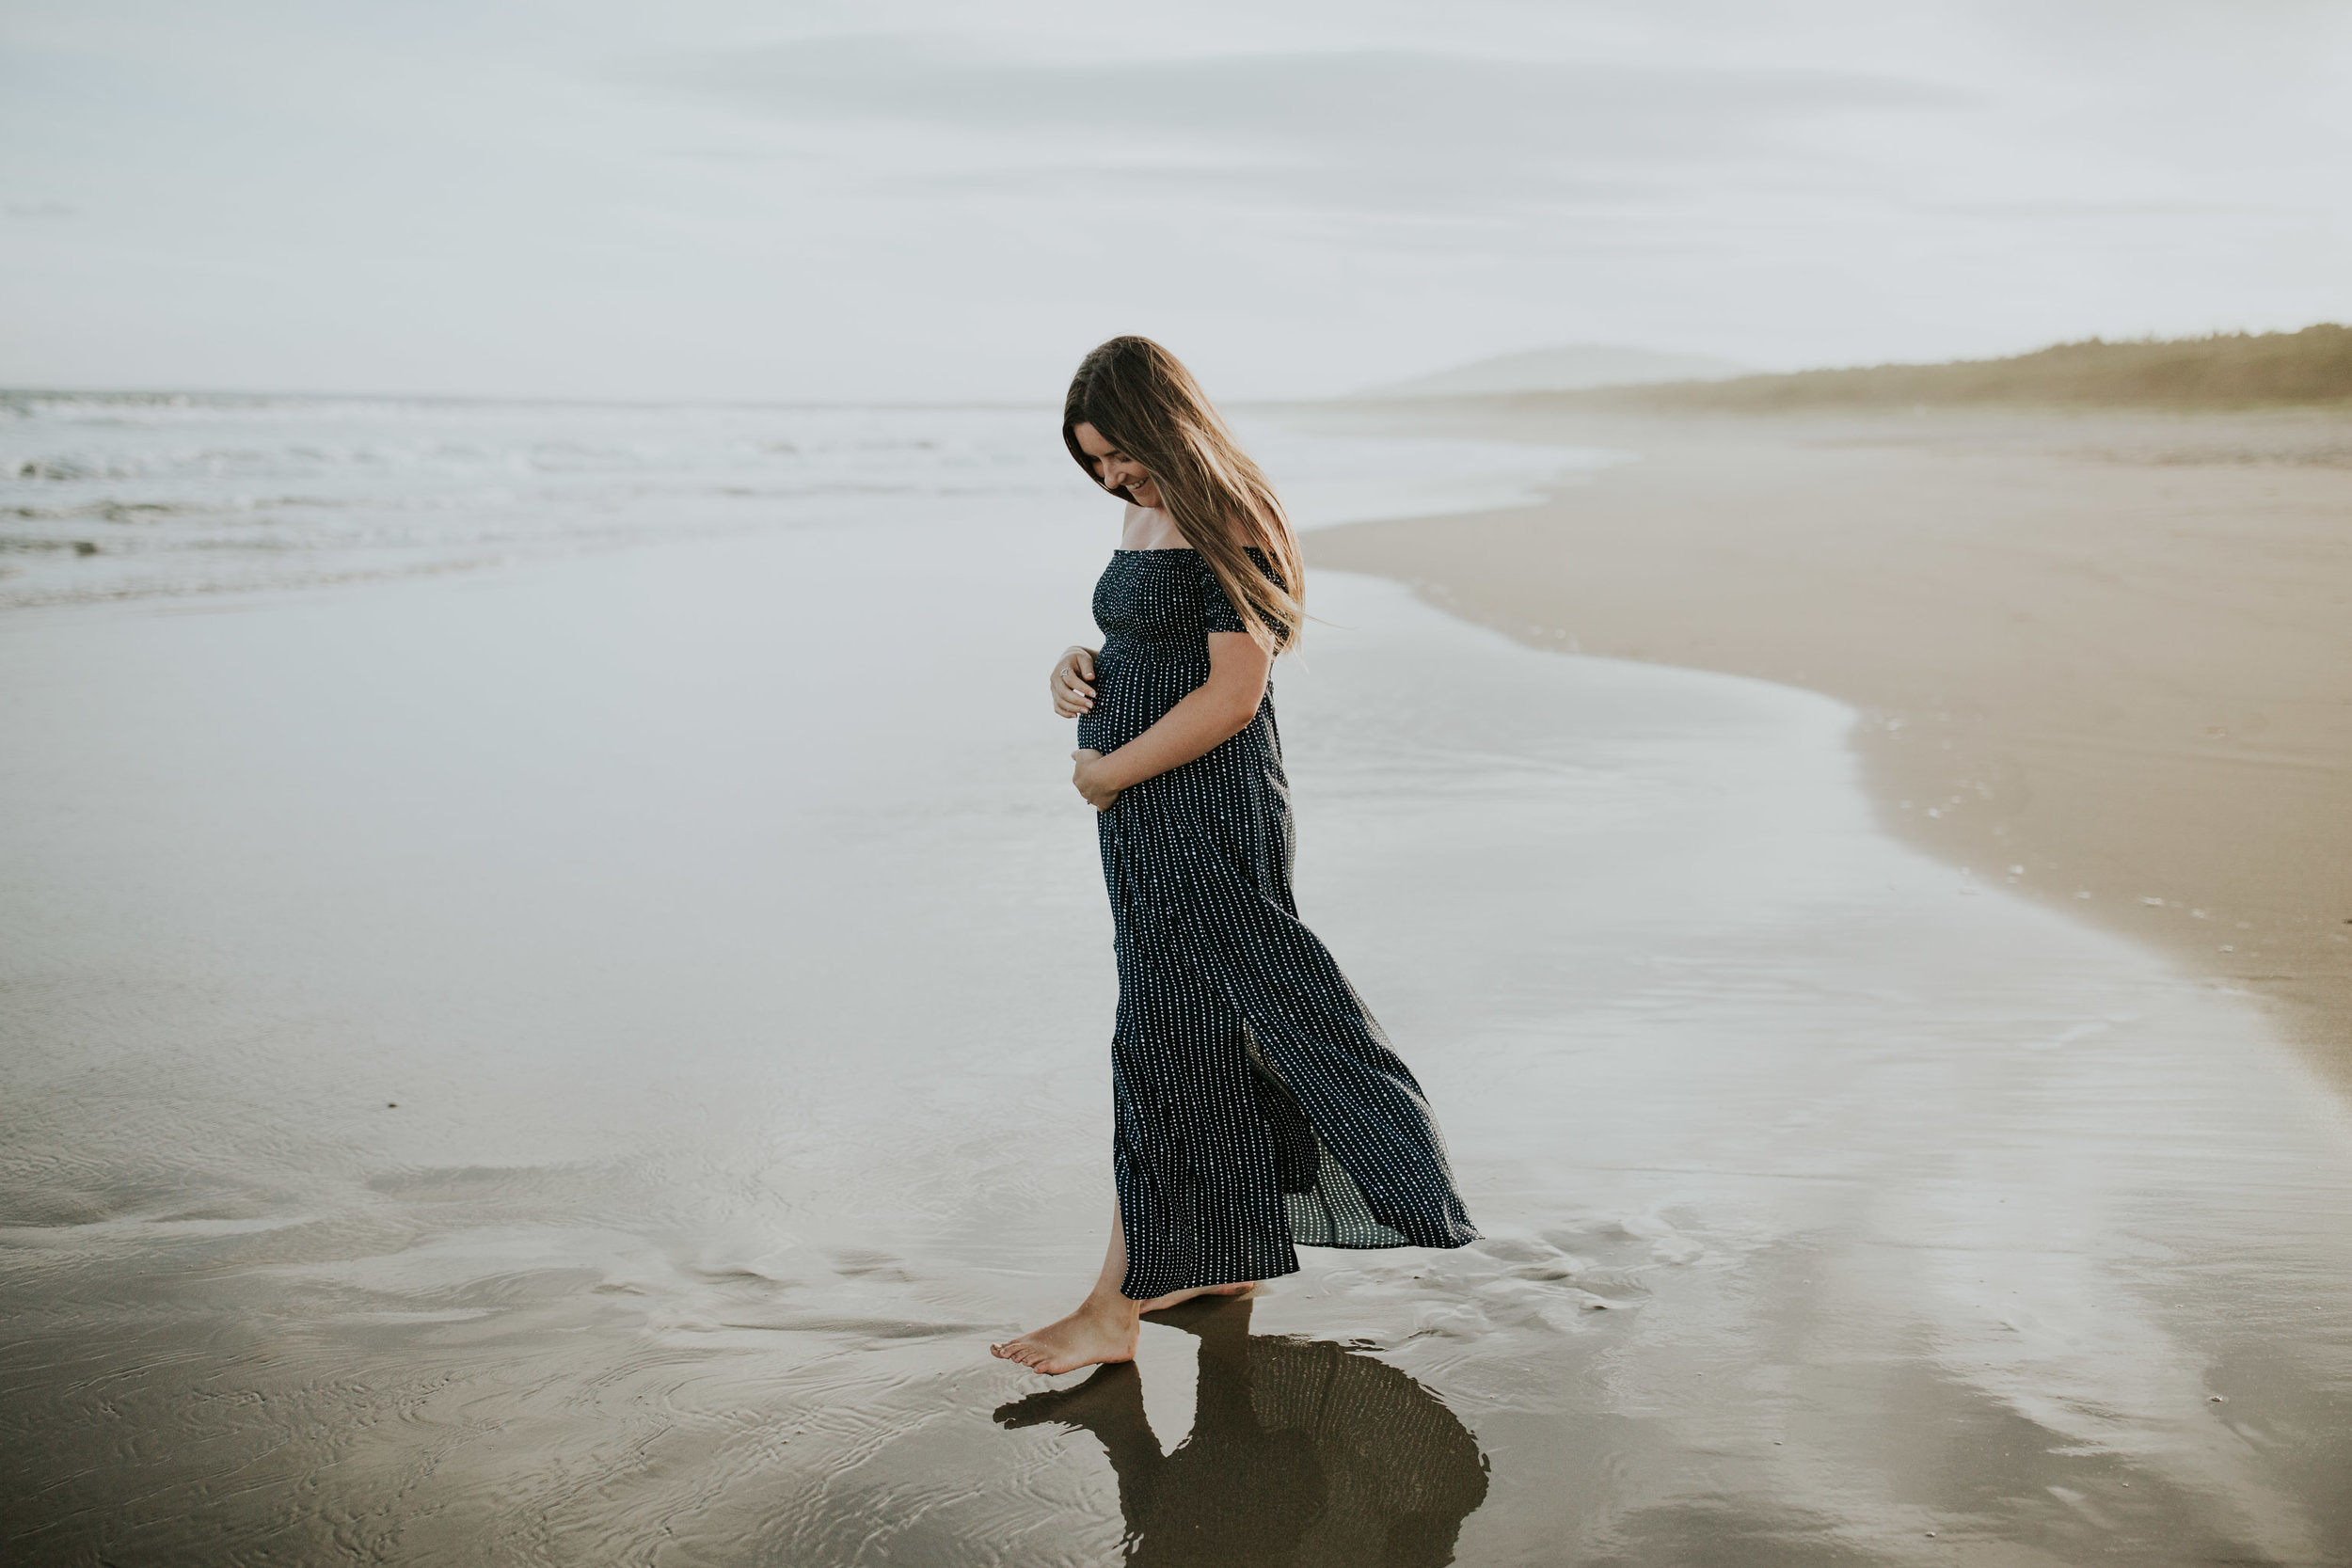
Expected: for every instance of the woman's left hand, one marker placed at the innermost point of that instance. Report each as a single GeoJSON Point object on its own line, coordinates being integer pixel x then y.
{"type": "Point", "coordinates": [1086, 776]}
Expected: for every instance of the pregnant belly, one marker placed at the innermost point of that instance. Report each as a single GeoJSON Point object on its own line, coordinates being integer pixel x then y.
{"type": "Point", "coordinates": [1115, 720]}
{"type": "Point", "coordinates": [1130, 696]}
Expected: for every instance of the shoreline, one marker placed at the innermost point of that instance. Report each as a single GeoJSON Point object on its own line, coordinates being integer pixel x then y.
{"type": "Point", "coordinates": [521, 1059]}
{"type": "Point", "coordinates": [2103, 658]}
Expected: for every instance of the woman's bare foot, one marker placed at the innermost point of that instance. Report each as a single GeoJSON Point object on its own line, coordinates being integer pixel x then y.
{"type": "Point", "coordinates": [1099, 1332]}
{"type": "Point", "coordinates": [1104, 1328]}
{"type": "Point", "coordinates": [1161, 1304]}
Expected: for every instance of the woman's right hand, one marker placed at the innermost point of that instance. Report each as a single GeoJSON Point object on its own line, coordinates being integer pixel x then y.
{"type": "Point", "coordinates": [1073, 683]}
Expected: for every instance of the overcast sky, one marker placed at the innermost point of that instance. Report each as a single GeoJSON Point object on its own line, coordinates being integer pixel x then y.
{"type": "Point", "coordinates": [947, 200]}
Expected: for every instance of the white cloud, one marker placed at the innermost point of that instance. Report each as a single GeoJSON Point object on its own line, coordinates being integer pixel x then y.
{"type": "Point", "coordinates": [911, 200]}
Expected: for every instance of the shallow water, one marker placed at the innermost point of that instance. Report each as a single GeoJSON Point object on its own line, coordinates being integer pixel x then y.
{"type": "Point", "coordinates": [575, 1064]}
{"type": "Point", "coordinates": [123, 496]}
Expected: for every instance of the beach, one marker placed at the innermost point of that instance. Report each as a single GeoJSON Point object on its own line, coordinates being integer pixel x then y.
{"type": "Point", "coordinates": [2104, 658]}
{"type": "Point", "coordinates": [525, 1047]}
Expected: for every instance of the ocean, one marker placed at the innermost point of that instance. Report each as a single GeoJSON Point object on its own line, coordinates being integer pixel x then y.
{"type": "Point", "coordinates": [110, 497]}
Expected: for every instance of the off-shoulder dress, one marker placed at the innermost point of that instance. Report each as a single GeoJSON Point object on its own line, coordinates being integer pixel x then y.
{"type": "Point", "coordinates": [1257, 1105]}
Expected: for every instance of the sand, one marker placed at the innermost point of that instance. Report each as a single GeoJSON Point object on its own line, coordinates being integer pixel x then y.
{"type": "Point", "coordinates": [576, 1063]}
{"type": "Point", "coordinates": [2104, 657]}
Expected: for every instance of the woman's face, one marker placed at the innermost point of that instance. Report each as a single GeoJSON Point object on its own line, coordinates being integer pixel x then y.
{"type": "Point", "coordinates": [1115, 470]}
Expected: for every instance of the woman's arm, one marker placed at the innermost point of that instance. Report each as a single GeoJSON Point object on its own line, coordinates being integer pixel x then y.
{"type": "Point", "coordinates": [1216, 710]}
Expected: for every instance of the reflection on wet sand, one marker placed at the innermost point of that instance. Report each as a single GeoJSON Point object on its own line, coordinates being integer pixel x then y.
{"type": "Point", "coordinates": [1301, 1452]}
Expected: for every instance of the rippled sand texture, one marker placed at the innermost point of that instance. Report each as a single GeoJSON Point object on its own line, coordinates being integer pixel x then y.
{"type": "Point", "coordinates": [575, 1065]}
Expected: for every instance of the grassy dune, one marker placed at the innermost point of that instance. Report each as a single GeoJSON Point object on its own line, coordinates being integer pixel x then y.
{"type": "Point", "coordinates": [2238, 370]}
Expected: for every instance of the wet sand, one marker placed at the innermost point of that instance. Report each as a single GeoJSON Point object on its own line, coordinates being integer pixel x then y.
{"type": "Point", "coordinates": [522, 1068]}
{"type": "Point", "coordinates": [2104, 657]}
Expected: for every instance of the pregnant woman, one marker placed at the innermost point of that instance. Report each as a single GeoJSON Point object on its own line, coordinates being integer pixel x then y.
{"type": "Point", "coordinates": [1257, 1105]}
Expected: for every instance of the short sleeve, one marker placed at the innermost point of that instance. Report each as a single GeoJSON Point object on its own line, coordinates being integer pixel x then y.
{"type": "Point", "coordinates": [1216, 609]}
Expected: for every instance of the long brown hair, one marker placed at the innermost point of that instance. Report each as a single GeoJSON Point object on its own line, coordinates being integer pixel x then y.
{"type": "Point", "coordinates": [1140, 398]}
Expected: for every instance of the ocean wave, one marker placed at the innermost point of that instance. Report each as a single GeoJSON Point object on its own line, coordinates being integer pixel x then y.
{"type": "Point", "coordinates": [115, 495]}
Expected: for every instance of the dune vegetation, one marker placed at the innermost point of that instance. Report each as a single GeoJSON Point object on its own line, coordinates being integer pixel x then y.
{"type": "Point", "coordinates": [2227, 370]}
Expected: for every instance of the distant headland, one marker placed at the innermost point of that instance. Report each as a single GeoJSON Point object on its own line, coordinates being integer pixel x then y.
{"type": "Point", "coordinates": [2226, 370]}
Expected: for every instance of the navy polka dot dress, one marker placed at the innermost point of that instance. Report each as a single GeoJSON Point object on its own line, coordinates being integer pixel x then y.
{"type": "Point", "coordinates": [1257, 1105]}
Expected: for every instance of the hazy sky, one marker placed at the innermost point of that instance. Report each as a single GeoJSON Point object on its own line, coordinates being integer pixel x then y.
{"type": "Point", "coordinates": [911, 200]}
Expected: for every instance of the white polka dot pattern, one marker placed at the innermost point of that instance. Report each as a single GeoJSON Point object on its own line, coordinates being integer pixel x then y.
{"type": "Point", "coordinates": [1257, 1105]}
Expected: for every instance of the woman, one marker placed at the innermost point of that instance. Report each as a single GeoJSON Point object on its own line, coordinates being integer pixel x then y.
{"type": "Point", "coordinates": [1257, 1105]}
